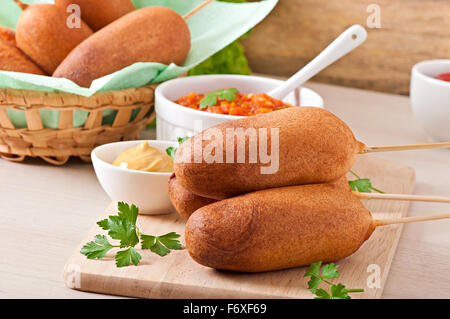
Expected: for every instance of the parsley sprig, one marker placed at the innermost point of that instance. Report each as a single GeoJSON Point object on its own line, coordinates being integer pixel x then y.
{"type": "Point", "coordinates": [363, 185]}
{"type": "Point", "coordinates": [319, 274]}
{"type": "Point", "coordinates": [161, 245]}
{"type": "Point", "coordinates": [122, 227]}
{"type": "Point", "coordinates": [171, 151]}
{"type": "Point", "coordinates": [211, 98]}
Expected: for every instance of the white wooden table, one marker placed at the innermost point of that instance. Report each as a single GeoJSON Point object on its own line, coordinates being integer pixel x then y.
{"type": "Point", "coordinates": [46, 211]}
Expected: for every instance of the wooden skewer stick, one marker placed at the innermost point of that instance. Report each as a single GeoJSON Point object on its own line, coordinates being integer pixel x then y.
{"type": "Point", "coordinates": [405, 220]}
{"type": "Point", "coordinates": [406, 147]}
{"type": "Point", "coordinates": [405, 197]}
{"type": "Point", "coordinates": [197, 9]}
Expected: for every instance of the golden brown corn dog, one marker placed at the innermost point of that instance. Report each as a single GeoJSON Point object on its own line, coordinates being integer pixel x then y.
{"type": "Point", "coordinates": [99, 13]}
{"type": "Point", "coordinates": [152, 34]}
{"type": "Point", "coordinates": [279, 228]}
{"type": "Point", "coordinates": [12, 59]}
{"type": "Point", "coordinates": [185, 202]}
{"type": "Point", "coordinates": [315, 146]}
{"type": "Point", "coordinates": [8, 35]}
{"type": "Point", "coordinates": [44, 35]}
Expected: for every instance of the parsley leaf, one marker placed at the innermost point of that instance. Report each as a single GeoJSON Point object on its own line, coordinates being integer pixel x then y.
{"type": "Point", "coordinates": [322, 294]}
{"type": "Point", "coordinates": [170, 240]}
{"type": "Point", "coordinates": [161, 245]}
{"type": "Point", "coordinates": [339, 292]}
{"type": "Point", "coordinates": [171, 151]}
{"type": "Point", "coordinates": [122, 227]}
{"type": "Point", "coordinates": [97, 248]}
{"type": "Point", "coordinates": [228, 94]}
{"type": "Point", "coordinates": [314, 272]}
{"type": "Point", "coordinates": [103, 224]}
{"type": "Point", "coordinates": [211, 98]}
{"type": "Point", "coordinates": [363, 185]}
{"type": "Point", "coordinates": [313, 283]}
{"type": "Point", "coordinates": [127, 212]}
{"type": "Point", "coordinates": [318, 274]}
{"type": "Point", "coordinates": [126, 257]}
{"type": "Point", "coordinates": [181, 140]}
{"type": "Point", "coordinates": [330, 271]}
{"type": "Point", "coordinates": [314, 269]}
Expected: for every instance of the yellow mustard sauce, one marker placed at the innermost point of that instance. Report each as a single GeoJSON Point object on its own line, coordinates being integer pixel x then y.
{"type": "Point", "coordinates": [145, 158]}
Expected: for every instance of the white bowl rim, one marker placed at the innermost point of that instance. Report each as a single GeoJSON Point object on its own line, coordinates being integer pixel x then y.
{"type": "Point", "coordinates": [417, 66]}
{"type": "Point", "coordinates": [161, 87]}
{"type": "Point", "coordinates": [127, 170]}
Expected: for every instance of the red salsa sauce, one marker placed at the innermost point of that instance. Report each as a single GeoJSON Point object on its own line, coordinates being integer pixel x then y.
{"type": "Point", "coordinates": [242, 105]}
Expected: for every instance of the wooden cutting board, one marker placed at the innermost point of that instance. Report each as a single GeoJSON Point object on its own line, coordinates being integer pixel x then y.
{"type": "Point", "coordinates": [178, 276]}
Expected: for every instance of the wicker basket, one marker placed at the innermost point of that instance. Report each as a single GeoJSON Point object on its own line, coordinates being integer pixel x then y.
{"type": "Point", "coordinates": [57, 145]}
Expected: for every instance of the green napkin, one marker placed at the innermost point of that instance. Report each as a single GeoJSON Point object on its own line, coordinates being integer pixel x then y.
{"type": "Point", "coordinates": [212, 29]}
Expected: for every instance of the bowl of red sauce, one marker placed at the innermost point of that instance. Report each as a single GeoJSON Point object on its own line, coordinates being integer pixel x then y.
{"type": "Point", "coordinates": [231, 102]}
{"type": "Point", "coordinates": [186, 106]}
{"type": "Point", "coordinates": [430, 97]}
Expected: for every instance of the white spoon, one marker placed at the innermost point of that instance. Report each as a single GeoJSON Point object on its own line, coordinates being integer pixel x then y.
{"type": "Point", "coordinates": [346, 42]}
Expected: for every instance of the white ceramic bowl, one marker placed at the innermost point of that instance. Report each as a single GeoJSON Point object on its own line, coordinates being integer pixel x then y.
{"type": "Point", "coordinates": [148, 191]}
{"type": "Point", "coordinates": [173, 120]}
{"type": "Point", "coordinates": [430, 98]}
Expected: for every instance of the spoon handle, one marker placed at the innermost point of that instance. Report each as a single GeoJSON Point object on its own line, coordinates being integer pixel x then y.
{"type": "Point", "coordinates": [346, 42]}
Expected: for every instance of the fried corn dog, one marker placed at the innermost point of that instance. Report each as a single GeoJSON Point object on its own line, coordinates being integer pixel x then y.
{"type": "Point", "coordinates": [99, 13]}
{"type": "Point", "coordinates": [12, 59]}
{"type": "Point", "coordinates": [151, 34]}
{"type": "Point", "coordinates": [8, 35]}
{"type": "Point", "coordinates": [185, 202]}
{"type": "Point", "coordinates": [279, 228]}
{"type": "Point", "coordinates": [43, 34]}
{"type": "Point", "coordinates": [314, 146]}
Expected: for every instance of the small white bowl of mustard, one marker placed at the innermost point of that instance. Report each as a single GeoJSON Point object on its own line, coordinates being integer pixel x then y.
{"type": "Point", "coordinates": [136, 172]}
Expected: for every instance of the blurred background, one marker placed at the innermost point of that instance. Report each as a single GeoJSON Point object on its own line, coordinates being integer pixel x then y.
{"type": "Point", "coordinates": [297, 30]}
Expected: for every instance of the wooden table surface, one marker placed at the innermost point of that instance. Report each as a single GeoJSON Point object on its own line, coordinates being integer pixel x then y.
{"type": "Point", "coordinates": [46, 211]}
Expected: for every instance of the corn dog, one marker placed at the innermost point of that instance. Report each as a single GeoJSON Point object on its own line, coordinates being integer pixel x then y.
{"type": "Point", "coordinates": [99, 13]}
{"type": "Point", "coordinates": [43, 34]}
{"type": "Point", "coordinates": [151, 34]}
{"type": "Point", "coordinates": [8, 35]}
{"type": "Point", "coordinates": [279, 228]}
{"type": "Point", "coordinates": [314, 146]}
{"type": "Point", "coordinates": [12, 59]}
{"type": "Point", "coordinates": [184, 201]}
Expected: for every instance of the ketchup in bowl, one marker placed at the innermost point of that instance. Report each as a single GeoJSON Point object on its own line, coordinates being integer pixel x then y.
{"type": "Point", "coordinates": [444, 77]}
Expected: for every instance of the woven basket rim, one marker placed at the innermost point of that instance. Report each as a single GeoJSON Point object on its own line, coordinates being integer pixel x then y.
{"type": "Point", "coordinates": [61, 99]}
{"type": "Point", "coordinates": [56, 145]}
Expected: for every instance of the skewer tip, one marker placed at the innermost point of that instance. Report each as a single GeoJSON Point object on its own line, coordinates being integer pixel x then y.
{"type": "Point", "coordinates": [197, 9]}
